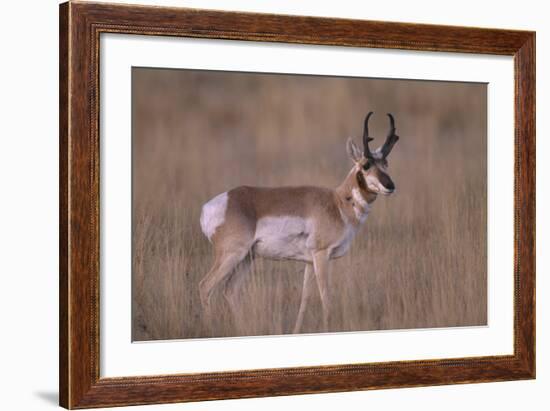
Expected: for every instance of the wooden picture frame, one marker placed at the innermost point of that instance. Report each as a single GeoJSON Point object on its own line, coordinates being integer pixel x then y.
{"type": "Point", "coordinates": [80, 27]}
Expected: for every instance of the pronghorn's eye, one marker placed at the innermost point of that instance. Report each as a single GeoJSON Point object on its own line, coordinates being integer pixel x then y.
{"type": "Point", "coordinates": [367, 165]}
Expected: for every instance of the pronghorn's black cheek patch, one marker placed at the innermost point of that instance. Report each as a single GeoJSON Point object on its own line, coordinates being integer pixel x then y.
{"type": "Point", "coordinates": [361, 180]}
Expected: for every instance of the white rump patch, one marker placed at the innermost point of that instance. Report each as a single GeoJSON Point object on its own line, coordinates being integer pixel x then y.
{"type": "Point", "coordinates": [213, 214]}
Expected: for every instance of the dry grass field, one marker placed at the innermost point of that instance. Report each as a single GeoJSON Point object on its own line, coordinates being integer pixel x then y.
{"type": "Point", "coordinates": [420, 259]}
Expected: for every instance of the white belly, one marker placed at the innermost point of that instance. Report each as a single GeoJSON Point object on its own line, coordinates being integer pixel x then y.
{"type": "Point", "coordinates": [290, 238]}
{"type": "Point", "coordinates": [283, 238]}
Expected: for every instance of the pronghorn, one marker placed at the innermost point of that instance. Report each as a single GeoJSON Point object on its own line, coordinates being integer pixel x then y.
{"type": "Point", "coordinates": [307, 223]}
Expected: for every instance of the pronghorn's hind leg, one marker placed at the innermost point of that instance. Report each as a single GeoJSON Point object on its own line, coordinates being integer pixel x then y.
{"type": "Point", "coordinates": [230, 229]}
{"type": "Point", "coordinates": [224, 266]}
{"type": "Point", "coordinates": [206, 285]}
{"type": "Point", "coordinates": [234, 283]}
{"type": "Point", "coordinates": [232, 242]}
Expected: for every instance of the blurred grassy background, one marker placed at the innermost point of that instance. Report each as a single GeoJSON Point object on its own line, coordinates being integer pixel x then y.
{"type": "Point", "coordinates": [420, 259]}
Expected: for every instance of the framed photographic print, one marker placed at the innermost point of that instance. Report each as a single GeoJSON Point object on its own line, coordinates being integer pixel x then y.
{"type": "Point", "coordinates": [258, 205]}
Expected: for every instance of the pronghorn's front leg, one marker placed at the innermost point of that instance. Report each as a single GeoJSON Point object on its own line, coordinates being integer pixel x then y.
{"type": "Point", "coordinates": [321, 267]}
{"type": "Point", "coordinates": [307, 288]}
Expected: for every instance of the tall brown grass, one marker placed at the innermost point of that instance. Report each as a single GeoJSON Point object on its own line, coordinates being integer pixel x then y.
{"type": "Point", "coordinates": [420, 259]}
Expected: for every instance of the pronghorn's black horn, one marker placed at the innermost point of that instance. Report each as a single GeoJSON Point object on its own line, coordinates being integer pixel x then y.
{"type": "Point", "coordinates": [392, 124]}
{"type": "Point", "coordinates": [366, 138]}
{"type": "Point", "coordinates": [391, 139]}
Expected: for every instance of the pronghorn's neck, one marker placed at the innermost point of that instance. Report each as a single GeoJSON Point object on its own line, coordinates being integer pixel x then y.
{"type": "Point", "coordinates": [355, 199]}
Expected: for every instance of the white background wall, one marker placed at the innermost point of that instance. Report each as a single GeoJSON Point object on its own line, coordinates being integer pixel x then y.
{"type": "Point", "coordinates": [29, 216]}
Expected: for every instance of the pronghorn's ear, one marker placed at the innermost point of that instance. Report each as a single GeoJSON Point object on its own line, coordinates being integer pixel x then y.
{"type": "Point", "coordinates": [353, 151]}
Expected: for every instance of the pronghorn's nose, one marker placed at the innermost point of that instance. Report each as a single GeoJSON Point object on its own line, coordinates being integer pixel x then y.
{"type": "Point", "coordinates": [390, 185]}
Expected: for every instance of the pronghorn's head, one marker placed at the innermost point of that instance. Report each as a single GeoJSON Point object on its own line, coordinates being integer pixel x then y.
{"type": "Point", "coordinates": [372, 166]}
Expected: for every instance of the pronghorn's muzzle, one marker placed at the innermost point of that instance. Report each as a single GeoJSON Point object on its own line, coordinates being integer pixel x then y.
{"type": "Point", "coordinates": [381, 183]}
